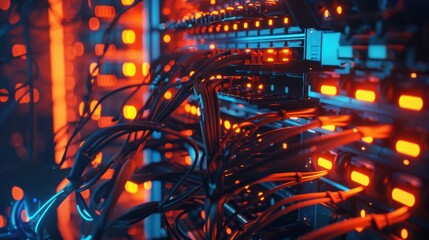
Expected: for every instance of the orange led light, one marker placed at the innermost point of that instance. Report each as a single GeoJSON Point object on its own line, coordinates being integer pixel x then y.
{"type": "Point", "coordinates": [403, 197]}
{"type": "Point", "coordinates": [3, 221]}
{"type": "Point", "coordinates": [188, 160]}
{"type": "Point", "coordinates": [245, 25]}
{"type": "Point", "coordinates": [270, 59]}
{"type": "Point", "coordinates": [129, 112]}
{"type": "Point", "coordinates": [129, 69]}
{"type": "Point", "coordinates": [166, 38]}
{"type": "Point", "coordinates": [407, 148]}
{"type": "Point", "coordinates": [365, 95]}
{"type": "Point", "coordinates": [257, 24]}
{"type": "Point", "coordinates": [367, 139]}
{"type": "Point", "coordinates": [94, 23]}
{"type": "Point", "coordinates": [270, 22]}
{"type": "Point", "coordinates": [97, 160]}
{"type": "Point", "coordinates": [324, 163]}
{"type": "Point", "coordinates": [104, 11]}
{"type": "Point", "coordinates": [235, 26]}
{"type": "Point", "coordinates": [5, 96]}
{"type": "Point", "coordinates": [212, 46]}
{"type": "Point", "coordinates": [17, 193]}
{"type": "Point", "coordinates": [411, 102]}
{"type": "Point", "coordinates": [329, 127]}
{"type": "Point", "coordinates": [128, 36]}
{"type": "Point", "coordinates": [339, 10]}
{"type": "Point", "coordinates": [362, 213]}
{"type": "Point", "coordinates": [328, 90]}
{"type": "Point", "coordinates": [193, 110]}
{"type": "Point", "coordinates": [131, 187]}
{"type": "Point", "coordinates": [413, 75]}
{"type": "Point", "coordinates": [286, 20]}
{"type": "Point", "coordinates": [127, 2]}
{"type": "Point", "coordinates": [212, 2]}
{"type": "Point", "coordinates": [4, 5]}
{"type": "Point", "coordinates": [360, 178]}
{"type": "Point", "coordinates": [404, 233]}
{"type": "Point", "coordinates": [248, 85]}
{"type": "Point", "coordinates": [97, 112]}
{"type": "Point", "coordinates": [168, 95]}
{"type": "Point", "coordinates": [326, 13]}
{"type": "Point", "coordinates": [227, 124]}
{"type": "Point", "coordinates": [18, 50]}
{"type": "Point", "coordinates": [187, 107]}
{"type": "Point", "coordinates": [260, 86]}
{"type": "Point", "coordinates": [145, 69]}
{"type": "Point", "coordinates": [226, 28]}
{"type": "Point", "coordinates": [147, 185]}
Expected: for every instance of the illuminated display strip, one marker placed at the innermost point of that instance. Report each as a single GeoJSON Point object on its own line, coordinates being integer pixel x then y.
{"type": "Point", "coordinates": [360, 178]}
{"type": "Point", "coordinates": [56, 36]}
{"type": "Point", "coordinates": [403, 197]}
{"type": "Point", "coordinates": [410, 102]}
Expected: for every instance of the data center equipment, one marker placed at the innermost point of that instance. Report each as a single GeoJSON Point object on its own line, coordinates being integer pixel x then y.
{"type": "Point", "coordinates": [214, 119]}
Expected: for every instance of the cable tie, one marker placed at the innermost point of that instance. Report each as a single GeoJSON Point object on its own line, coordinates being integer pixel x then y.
{"type": "Point", "coordinates": [299, 177]}
{"type": "Point", "coordinates": [333, 196]}
{"type": "Point", "coordinates": [284, 114]}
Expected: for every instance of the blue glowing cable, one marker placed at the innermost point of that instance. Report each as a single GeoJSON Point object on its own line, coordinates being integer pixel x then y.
{"type": "Point", "coordinates": [85, 215]}
{"type": "Point", "coordinates": [44, 205]}
{"type": "Point", "coordinates": [43, 215]}
{"type": "Point", "coordinates": [89, 237]}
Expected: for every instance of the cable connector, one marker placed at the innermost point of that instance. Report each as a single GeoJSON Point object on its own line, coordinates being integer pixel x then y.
{"type": "Point", "coordinates": [81, 162]}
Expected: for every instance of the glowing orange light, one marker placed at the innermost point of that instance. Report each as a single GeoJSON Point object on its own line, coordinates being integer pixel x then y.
{"type": "Point", "coordinates": [328, 90]}
{"type": "Point", "coordinates": [227, 124]}
{"type": "Point", "coordinates": [248, 85]}
{"type": "Point", "coordinates": [324, 163]}
{"type": "Point", "coordinates": [104, 11]}
{"type": "Point", "coordinates": [257, 24]}
{"type": "Point", "coordinates": [191, 73]}
{"type": "Point", "coordinates": [106, 80]}
{"type": "Point", "coordinates": [57, 66]}
{"type": "Point", "coordinates": [129, 69]}
{"type": "Point", "coordinates": [24, 216]}
{"type": "Point", "coordinates": [365, 95]}
{"type": "Point", "coordinates": [97, 160]}
{"type": "Point", "coordinates": [235, 26]}
{"type": "Point", "coordinates": [270, 59]}
{"type": "Point", "coordinates": [188, 160]}
{"type": "Point", "coordinates": [403, 197]}
{"type": "Point", "coordinates": [284, 145]}
{"type": "Point", "coordinates": [360, 178]}
{"type": "Point", "coordinates": [145, 69]}
{"type": "Point", "coordinates": [79, 49]}
{"type": "Point", "coordinates": [329, 127]}
{"type": "Point", "coordinates": [18, 50]}
{"type": "Point", "coordinates": [129, 112]}
{"type": "Point", "coordinates": [404, 233]}
{"type": "Point", "coordinates": [93, 69]}
{"type": "Point", "coordinates": [408, 148]}
{"type": "Point", "coordinates": [212, 2]}
{"type": "Point", "coordinates": [127, 2]}
{"type": "Point", "coordinates": [212, 46]}
{"type": "Point", "coordinates": [260, 86]}
{"type": "Point", "coordinates": [286, 20]}
{"type": "Point", "coordinates": [188, 107]}
{"type": "Point", "coordinates": [413, 75]}
{"type": "Point", "coordinates": [4, 5]}
{"type": "Point", "coordinates": [131, 187]}
{"type": "Point", "coordinates": [166, 38]}
{"type": "Point", "coordinates": [193, 110]}
{"type": "Point", "coordinates": [3, 221]}
{"type": "Point", "coordinates": [326, 13]}
{"type": "Point", "coordinates": [339, 10]}
{"type": "Point", "coordinates": [198, 111]}
{"type": "Point", "coordinates": [245, 25]}
{"type": "Point", "coordinates": [367, 139]}
{"type": "Point", "coordinates": [17, 193]}
{"type": "Point", "coordinates": [168, 154]}
{"type": "Point", "coordinates": [97, 112]}
{"type": "Point", "coordinates": [203, 214]}
{"type": "Point", "coordinates": [4, 95]}
{"type": "Point", "coordinates": [226, 28]}
{"type": "Point", "coordinates": [94, 23]}
{"type": "Point", "coordinates": [270, 22]}
{"type": "Point", "coordinates": [147, 185]}
{"type": "Point", "coordinates": [411, 102]}
{"type": "Point", "coordinates": [362, 213]}
{"type": "Point", "coordinates": [168, 95]}
{"type": "Point", "coordinates": [406, 162]}
{"type": "Point", "coordinates": [128, 36]}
